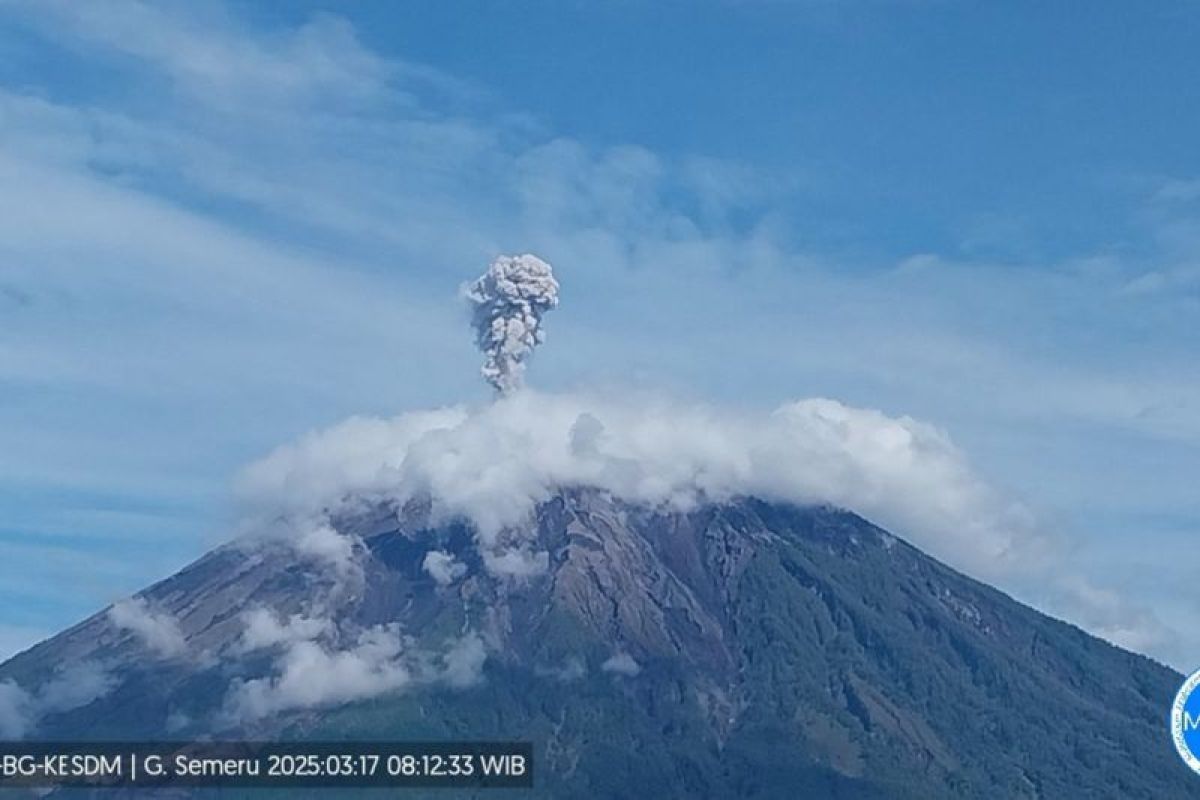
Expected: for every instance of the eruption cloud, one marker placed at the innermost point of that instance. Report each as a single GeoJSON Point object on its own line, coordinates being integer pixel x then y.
{"type": "Point", "coordinates": [509, 301]}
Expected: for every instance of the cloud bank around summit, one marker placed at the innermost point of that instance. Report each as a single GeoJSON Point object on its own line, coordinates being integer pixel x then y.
{"type": "Point", "coordinates": [492, 465]}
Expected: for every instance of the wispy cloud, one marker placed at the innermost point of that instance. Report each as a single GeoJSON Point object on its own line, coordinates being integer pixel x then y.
{"type": "Point", "coordinates": [314, 672]}
{"type": "Point", "coordinates": [72, 686]}
{"type": "Point", "coordinates": [157, 630]}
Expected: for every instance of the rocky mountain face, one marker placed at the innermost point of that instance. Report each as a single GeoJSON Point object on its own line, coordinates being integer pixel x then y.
{"type": "Point", "coordinates": [744, 649]}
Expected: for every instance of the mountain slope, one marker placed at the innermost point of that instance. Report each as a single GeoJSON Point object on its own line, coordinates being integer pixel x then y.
{"type": "Point", "coordinates": [741, 649]}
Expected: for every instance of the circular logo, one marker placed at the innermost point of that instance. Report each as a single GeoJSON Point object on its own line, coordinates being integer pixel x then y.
{"type": "Point", "coordinates": [1185, 722]}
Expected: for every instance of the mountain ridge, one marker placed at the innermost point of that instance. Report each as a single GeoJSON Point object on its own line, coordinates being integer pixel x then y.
{"type": "Point", "coordinates": [754, 646]}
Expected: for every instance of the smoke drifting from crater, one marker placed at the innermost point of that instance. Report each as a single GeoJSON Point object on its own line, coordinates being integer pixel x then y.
{"type": "Point", "coordinates": [509, 302]}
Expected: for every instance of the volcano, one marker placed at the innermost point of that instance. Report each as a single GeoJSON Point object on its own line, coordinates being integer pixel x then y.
{"type": "Point", "coordinates": [737, 649]}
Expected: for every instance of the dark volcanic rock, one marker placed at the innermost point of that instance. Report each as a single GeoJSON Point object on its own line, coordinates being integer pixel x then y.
{"type": "Point", "coordinates": [743, 649]}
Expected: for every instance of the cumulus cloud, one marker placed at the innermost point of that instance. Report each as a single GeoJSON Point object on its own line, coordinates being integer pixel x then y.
{"type": "Point", "coordinates": [443, 567]}
{"type": "Point", "coordinates": [621, 664]}
{"type": "Point", "coordinates": [312, 675]}
{"type": "Point", "coordinates": [157, 630]}
{"type": "Point", "coordinates": [492, 465]}
{"type": "Point", "coordinates": [265, 629]}
{"type": "Point", "coordinates": [320, 541]}
{"type": "Point", "coordinates": [462, 663]}
{"type": "Point", "coordinates": [516, 562]}
{"type": "Point", "coordinates": [509, 301]}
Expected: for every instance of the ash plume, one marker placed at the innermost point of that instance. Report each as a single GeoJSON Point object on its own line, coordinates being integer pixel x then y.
{"type": "Point", "coordinates": [509, 301]}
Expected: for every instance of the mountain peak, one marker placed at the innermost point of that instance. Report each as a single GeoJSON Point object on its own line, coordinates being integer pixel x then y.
{"type": "Point", "coordinates": [805, 645]}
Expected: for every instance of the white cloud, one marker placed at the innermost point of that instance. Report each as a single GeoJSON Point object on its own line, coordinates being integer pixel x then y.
{"type": "Point", "coordinates": [16, 711]}
{"type": "Point", "coordinates": [210, 56]}
{"type": "Point", "coordinates": [320, 541]}
{"type": "Point", "coordinates": [493, 464]}
{"type": "Point", "coordinates": [74, 686]}
{"type": "Point", "coordinates": [462, 663]}
{"type": "Point", "coordinates": [518, 563]}
{"type": "Point", "coordinates": [622, 664]}
{"type": "Point", "coordinates": [265, 629]}
{"type": "Point", "coordinates": [313, 675]}
{"type": "Point", "coordinates": [443, 567]}
{"type": "Point", "coordinates": [157, 630]}
{"type": "Point", "coordinates": [71, 687]}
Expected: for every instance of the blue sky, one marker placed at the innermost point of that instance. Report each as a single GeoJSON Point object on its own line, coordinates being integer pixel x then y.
{"type": "Point", "coordinates": [223, 226]}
